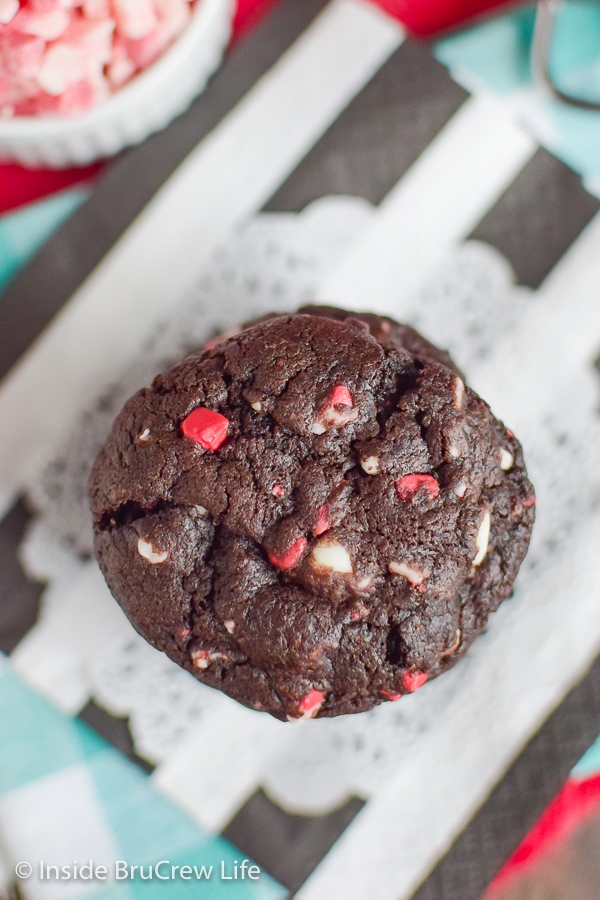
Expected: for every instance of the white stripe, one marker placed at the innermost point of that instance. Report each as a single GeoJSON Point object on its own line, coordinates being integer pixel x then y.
{"type": "Point", "coordinates": [437, 203]}
{"type": "Point", "coordinates": [560, 328]}
{"type": "Point", "coordinates": [230, 176]}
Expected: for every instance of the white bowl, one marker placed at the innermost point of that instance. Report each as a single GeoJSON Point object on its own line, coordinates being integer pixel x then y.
{"type": "Point", "coordinates": [148, 103]}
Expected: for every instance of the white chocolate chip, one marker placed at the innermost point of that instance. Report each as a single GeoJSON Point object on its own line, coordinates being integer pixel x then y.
{"type": "Point", "coordinates": [230, 626]}
{"type": "Point", "coordinates": [333, 556]}
{"type": "Point", "coordinates": [334, 418]}
{"type": "Point", "coordinates": [459, 392]}
{"type": "Point", "coordinates": [413, 575]}
{"type": "Point", "coordinates": [144, 435]}
{"type": "Point", "coordinates": [370, 465]}
{"type": "Point", "coordinates": [256, 406]}
{"type": "Point", "coordinates": [364, 583]}
{"type": "Point", "coordinates": [506, 460]}
{"type": "Point", "coordinates": [455, 645]}
{"type": "Point", "coordinates": [203, 658]}
{"type": "Point", "coordinates": [454, 452]}
{"type": "Point", "coordinates": [461, 489]}
{"type": "Point", "coordinates": [318, 428]}
{"type": "Point", "coordinates": [200, 659]}
{"type": "Point", "coordinates": [146, 550]}
{"type": "Point", "coordinates": [483, 538]}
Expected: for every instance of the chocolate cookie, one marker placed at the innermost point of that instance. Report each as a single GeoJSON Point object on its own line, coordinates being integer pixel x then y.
{"type": "Point", "coordinates": [314, 515]}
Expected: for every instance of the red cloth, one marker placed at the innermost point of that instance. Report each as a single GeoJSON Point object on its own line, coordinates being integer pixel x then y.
{"type": "Point", "coordinates": [577, 801]}
{"type": "Point", "coordinates": [428, 17]}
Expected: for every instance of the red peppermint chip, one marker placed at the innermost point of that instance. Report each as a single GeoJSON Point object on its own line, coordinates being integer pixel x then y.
{"type": "Point", "coordinates": [531, 501]}
{"type": "Point", "coordinates": [412, 681]}
{"type": "Point", "coordinates": [408, 485]}
{"type": "Point", "coordinates": [277, 490]}
{"type": "Point", "coordinates": [291, 557]}
{"type": "Point", "coordinates": [322, 524]}
{"type": "Point", "coordinates": [312, 703]}
{"type": "Point", "coordinates": [206, 427]}
{"type": "Point", "coordinates": [340, 396]}
{"type": "Point", "coordinates": [390, 695]}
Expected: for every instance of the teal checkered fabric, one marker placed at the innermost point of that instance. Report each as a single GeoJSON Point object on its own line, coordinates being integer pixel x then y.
{"type": "Point", "coordinates": [66, 796]}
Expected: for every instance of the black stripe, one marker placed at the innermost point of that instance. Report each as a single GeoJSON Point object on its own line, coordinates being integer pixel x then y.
{"type": "Point", "coordinates": [286, 846]}
{"type": "Point", "coordinates": [114, 730]}
{"type": "Point", "coordinates": [379, 135]}
{"type": "Point", "coordinates": [537, 219]}
{"type": "Point", "coordinates": [520, 798]}
{"type": "Point", "coordinates": [43, 287]}
{"type": "Point", "coordinates": [19, 597]}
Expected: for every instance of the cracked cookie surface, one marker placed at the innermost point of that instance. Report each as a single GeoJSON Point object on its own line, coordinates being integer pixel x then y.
{"type": "Point", "coordinates": [314, 515]}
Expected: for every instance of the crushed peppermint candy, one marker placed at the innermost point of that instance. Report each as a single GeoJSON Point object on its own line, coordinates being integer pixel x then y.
{"type": "Point", "coordinates": [206, 427]}
{"type": "Point", "coordinates": [144, 435]}
{"type": "Point", "coordinates": [412, 681]}
{"type": "Point", "coordinates": [322, 524]}
{"type": "Point", "coordinates": [230, 626]}
{"type": "Point", "coordinates": [291, 557]}
{"type": "Point", "coordinates": [59, 57]}
{"type": "Point", "coordinates": [531, 501]}
{"type": "Point", "coordinates": [8, 10]}
{"type": "Point", "coordinates": [333, 556]}
{"type": "Point", "coordinates": [225, 335]}
{"type": "Point", "coordinates": [311, 704]}
{"type": "Point", "coordinates": [408, 485]}
{"type": "Point", "coordinates": [360, 612]}
{"type": "Point", "coordinates": [148, 552]}
{"type": "Point", "coordinates": [331, 416]}
{"type": "Point", "coordinates": [414, 576]}
{"type": "Point", "coordinates": [483, 538]}
{"type": "Point", "coordinates": [390, 695]}
{"type": "Point", "coordinates": [200, 659]}
{"type": "Point", "coordinates": [340, 396]}
{"type": "Point", "coordinates": [256, 406]}
{"type": "Point", "coordinates": [277, 490]}
{"type": "Point", "coordinates": [203, 658]}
